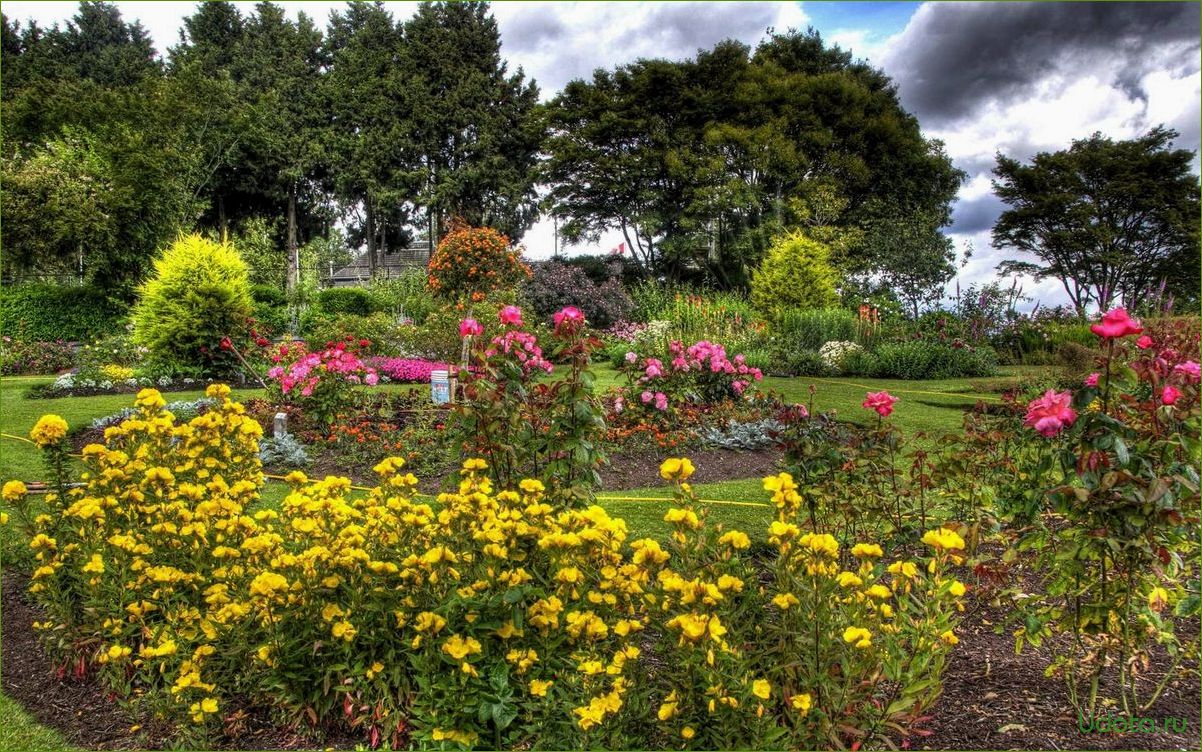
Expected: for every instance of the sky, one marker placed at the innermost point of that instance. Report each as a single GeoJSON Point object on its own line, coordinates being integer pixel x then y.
{"type": "Point", "coordinates": [983, 77]}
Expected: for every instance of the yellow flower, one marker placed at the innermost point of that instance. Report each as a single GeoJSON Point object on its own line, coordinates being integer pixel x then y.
{"type": "Point", "coordinates": [539, 688]}
{"type": "Point", "coordinates": [957, 589]}
{"type": "Point", "coordinates": [735, 539]}
{"type": "Point", "coordinates": [801, 703]}
{"type": "Point", "coordinates": [96, 565]}
{"type": "Point", "coordinates": [50, 429]}
{"type": "Point", "coordinates": [375, 668]}
{"type": "Point", "coordinates": [784, 491]}
{"type": "Point", "coordinates": [459, 648]}
{"type": "Point", "coordinates": [850, 579]}
{"type": "Point", "coordinates": [344, 630]}
{"type": "Point", "coordinates": [267, 584]}
{"type": "Point", "coordinates": [532, 486]}
{"type": "Point", "coordinates": [949, 637]}
{"type": "Point", "coordinates": [865, 551]}
{"type": "Point", "coordinates": [676, 468]}
{"type": "Point", "coordinates": [687, 732]}
{"type": "Point", "coordinates": [878, 591]}
{"type": "Point", "coordinates": [943, 539]}
{"type": "Point", "coordinates": [13, 491]}
{"type": "Point", "coordinates": [785, 600]}
{"type": "Point", "coordinates": [667, 709]}
{"type": "Point", "coordinates": [858, 635]}
{"type": "Point", "coordinates": [209, 705]}
{"type": "Point", "coordinates": [475, 464]}
{"type": "Point", "coordinates": [903, 569]}
{"type": "Point", "coordinates": [761, 689]}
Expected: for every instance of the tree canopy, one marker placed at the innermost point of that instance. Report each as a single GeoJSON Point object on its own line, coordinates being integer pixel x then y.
{"type": "Point", "coordinates": [1111, 220]}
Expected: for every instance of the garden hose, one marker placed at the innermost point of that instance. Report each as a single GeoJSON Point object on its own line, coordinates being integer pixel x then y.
{"type": "Point", "coordinates": [905, 391]}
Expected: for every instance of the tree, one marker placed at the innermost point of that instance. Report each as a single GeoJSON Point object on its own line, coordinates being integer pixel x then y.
{"type": "Point", "coordinates": [701, 162]}
{"type": "Point", "coordinates": [477, 128]}
{"type": "Point", "coordinates": [370, 143]}
{"type": "Point", "coordinates": [1111, 220]}
{"type": "Point", "coordinates": [911, 257]}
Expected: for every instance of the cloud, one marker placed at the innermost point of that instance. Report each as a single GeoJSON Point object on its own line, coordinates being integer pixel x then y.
{"type": "Point", "coordinates": [953, 58]}
{"type": "Point", "coordinates": [557, 42]}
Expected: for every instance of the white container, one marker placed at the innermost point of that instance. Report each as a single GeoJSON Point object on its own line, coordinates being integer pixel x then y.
{"type": "Point", "coordinates": [440, 387]}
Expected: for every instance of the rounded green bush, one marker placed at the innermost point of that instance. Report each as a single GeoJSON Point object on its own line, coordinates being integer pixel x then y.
{"type": "Point", "coordinates": [198, 295]}
{"type": "Point", "coordinates": [796, 273]}
{"type": "Point", "coordinates": [352, 300]}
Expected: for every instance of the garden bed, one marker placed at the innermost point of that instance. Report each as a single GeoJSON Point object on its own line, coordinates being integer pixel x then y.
{"type": "Point", "coordinates": [992, 698]}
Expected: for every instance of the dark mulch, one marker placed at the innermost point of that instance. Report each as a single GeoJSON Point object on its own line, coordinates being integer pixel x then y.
{"type": "Point", "coordinates": [641, 469]}
{"type": "Point", "coordinates": [994, 698]}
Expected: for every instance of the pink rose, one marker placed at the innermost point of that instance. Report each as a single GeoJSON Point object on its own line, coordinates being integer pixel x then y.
{"type": "Point", "coordinates": [646, 397]}
{"type": "Point", "coordinates": [1051, 413]}
{"type": "Point", "coordinates": [1169, 395]}
{"type": "Point", "coordinates": [470, 328]}
{"type": "Point", "coordinates": [631, 357]}
{"type": "Point", "coordinates": [511, 315]}
{"type": "Point", "coordinates": [653, 370]}
{"type": "Point", "coordinates": [881, 402]}
{"type": "Point", "coordinates": [371, 379]}
{"type": "Point", "coordinates": [1116, 323]}
{"type": "Point", "coordinates": [661, 401]}
{"type": "Point", "coordinates": [568, 320]}
{"type": "Point", "coordinates": [1092, 379]}
{"type": "Point", "coordinates": [1143, 342]}
{"type": "Point", "coordinates": [619, 405]}
{"type": "Point", "coordinates": [1189, 369]}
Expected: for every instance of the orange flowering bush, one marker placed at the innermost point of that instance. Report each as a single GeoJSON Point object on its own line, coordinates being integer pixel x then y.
{"type": "Point", "coordinates": [473, 262]}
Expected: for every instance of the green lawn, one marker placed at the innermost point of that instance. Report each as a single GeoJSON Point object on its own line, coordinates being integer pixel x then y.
{"type": "Point", "coordinates": [19, 731]}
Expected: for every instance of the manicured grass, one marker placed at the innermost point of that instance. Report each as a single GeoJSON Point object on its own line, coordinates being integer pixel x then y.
{"type": "Point", "coordinates": [19, 731]}
{"type": "Point", "coordinates": [645, 519]}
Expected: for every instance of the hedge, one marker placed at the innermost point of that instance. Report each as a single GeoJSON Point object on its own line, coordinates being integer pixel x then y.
{"type": "Point", "coordinates": [45, 312]}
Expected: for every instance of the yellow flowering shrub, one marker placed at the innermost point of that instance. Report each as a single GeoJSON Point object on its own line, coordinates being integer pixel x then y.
{"type": "Point", "coordinates": [479, 618]}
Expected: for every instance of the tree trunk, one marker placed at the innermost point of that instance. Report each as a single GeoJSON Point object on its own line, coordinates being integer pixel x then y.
{"type": "Point", "coordinates": [371, 239]}
{"type": "Point", "coordinates": [222, 223]}
{"type": "Point", "coordinates": [293, 278]}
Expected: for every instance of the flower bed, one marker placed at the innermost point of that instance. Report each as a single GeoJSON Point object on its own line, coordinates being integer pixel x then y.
{"type": "Point", "coordinates": [490, 619]}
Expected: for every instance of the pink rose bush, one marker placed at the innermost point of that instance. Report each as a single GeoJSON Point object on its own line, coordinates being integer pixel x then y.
{"type": "Point", "coordinates": [320, 382]}
{"type": "Point", "coordinates": [701, 373]}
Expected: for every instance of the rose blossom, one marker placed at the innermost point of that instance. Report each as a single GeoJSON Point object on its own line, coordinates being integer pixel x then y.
{"type": "Point", "coordinates": [568, 320]}
{"type": "Point", "coordinates": [646, 397]}
{"type": "Point", "coordinates": [1092, 379]}
{"type": "Point", "coordinates": [1051, 413]}
{"type": "Point", "coordinates": [1116, 323]}
{"type": "Point", "coordinates": [470, 328]}
{"type": "Point", "coordinates": [881, 402]}
{"type": "Point", "coordinates": [631, 357]}
{"type": "Point", "coordinates": [1143, 342]}
{"type": "Point", "coordinates": [511, 315]}
{"type": "Point", "coordinates": [1169, 395]}
{"type": "Point", "coordinates": [661, 401]}
{"type": "Point", "coordinates": [1190, 369]}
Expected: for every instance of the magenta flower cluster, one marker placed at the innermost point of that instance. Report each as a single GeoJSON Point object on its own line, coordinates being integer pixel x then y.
{"type": "Point", "coordinates": [408, 370]}
{"type": "Point", "coordinates": [703, 370]}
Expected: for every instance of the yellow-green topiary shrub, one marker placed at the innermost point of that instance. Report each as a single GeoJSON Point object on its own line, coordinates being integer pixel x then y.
{"type": "Point", "coordinates": [198, 297]}
{"type": "Point", "coordinates": [796, 273]}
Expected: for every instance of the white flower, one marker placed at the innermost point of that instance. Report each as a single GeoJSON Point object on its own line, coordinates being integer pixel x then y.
{"type": "Point", "coordinates": [834, 353]}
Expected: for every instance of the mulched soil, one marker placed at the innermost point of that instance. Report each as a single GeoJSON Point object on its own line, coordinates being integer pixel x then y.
{"type": "Point", "coordinates": [641, 469]}
{"type": "Point", "coordinates": [992, 698]}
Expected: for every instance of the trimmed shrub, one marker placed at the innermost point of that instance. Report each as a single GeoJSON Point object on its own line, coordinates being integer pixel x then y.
{"type": "Point", "coordinates": [352, 300]}
{"type": "Point", "coordinates": [472, 263]}
{"type": "Point", "coordinates": [271, 308]}
{"type": "Point", "coordinates": [811, 329]}
{"type": "Point", "coordinates": [919, 359]}
{"type": "Point", "coordinates": [45, 313]}
{"type": "Point", "coordinates": [796, 273]}
{"type": "Point", "coordinates": [17, 357]}
{"type": "Point", "coordinates": [197, 301]}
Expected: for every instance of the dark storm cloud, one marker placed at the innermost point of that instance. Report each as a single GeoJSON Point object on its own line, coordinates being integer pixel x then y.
{"type": "Point", "coordinates": [953, 57]}
{"type": "Point", "coordinates": [976, 215]}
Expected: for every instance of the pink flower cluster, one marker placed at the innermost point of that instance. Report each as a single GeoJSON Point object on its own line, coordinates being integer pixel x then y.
{"type": "Point", "coordinates": [521, 345]}
{"type": "Point", "coordinates": [409, 370]}
{"type": "Point", "coordinates": [306, 372]}
{"type": "Point", "coordinates": [704, 365]}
